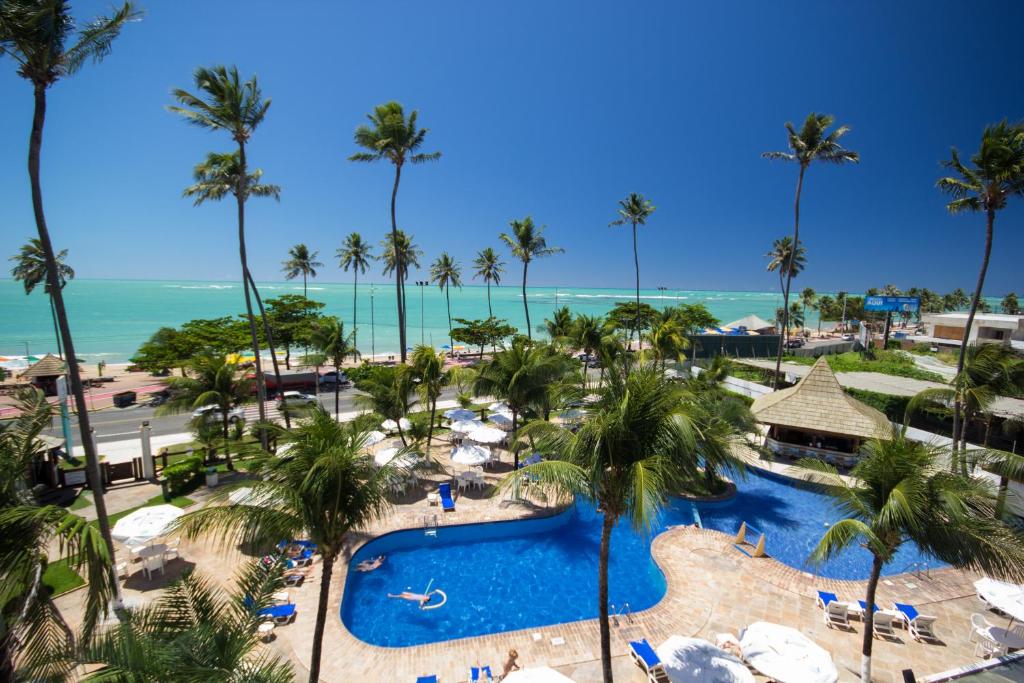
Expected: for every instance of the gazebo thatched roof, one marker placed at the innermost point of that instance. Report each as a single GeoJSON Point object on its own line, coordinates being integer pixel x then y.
{"type": "Point", "coordinates": [819, 404]}
{"type": "Point", "coordinates": [48, 366]}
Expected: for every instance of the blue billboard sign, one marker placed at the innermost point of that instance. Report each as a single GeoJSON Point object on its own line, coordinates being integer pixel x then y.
{"type": "Point", "coordinates": [908, 304]}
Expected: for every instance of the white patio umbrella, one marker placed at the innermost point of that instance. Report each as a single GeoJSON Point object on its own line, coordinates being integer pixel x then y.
{"type": "Point", "coordinates": [499, 407]}
{"type": "Point", "coordinates": [486, 435]}
{"type": "Point", "coordinates": [459, 414]}
{"type": "Point", "coordinates": [146, 523]}
{"type": "Point", "coordinates": [392, 426]}
{"type": "Point", "coordinates": [692, 660]}
{"type": "Point", "coordinates": [537, 674]}
{"type": "Point", "coordinates": [1005, 597]}
{"type": "Point", "coordinates": [471, 455]}
{"type": "Point", "coordinates": [501, 420]}
{"type": "Point", "coordinates": [786, 655]}
{"type": "Point", "coordinates": [387, 455]}
{"type": "Point", "coordinates": [466, 426]}
{"type": "Point", "coordinates": [373, 438]}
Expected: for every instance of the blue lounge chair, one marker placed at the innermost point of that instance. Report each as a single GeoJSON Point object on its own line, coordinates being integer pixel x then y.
{"type": "Point", "coordinates": [825, 597]}
{"type": "Point", "coordinates": [647, 659]}
{"type": "Point", "coordinates": [445, 491]}
{"type": "Point", "coordinates": [279, 614]}
{"type": "Point", "coordinates": [303, 559]}
{"type": "Point", "coordinates": [919, 626]}
{"type": "Point", "coordinates": [864, 607]}
{"type": "Point", "coordinates": [479, 674]}
{"type": "Point", "coordinates": [426, 679]}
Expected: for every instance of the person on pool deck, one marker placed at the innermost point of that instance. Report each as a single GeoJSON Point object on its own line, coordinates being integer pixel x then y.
{"type": "Point", "coordinates": [510, 664]}
{"type": "Point", "coordinates": [370, 565]}
{"type": "Point", "coordinates": [411, 597]}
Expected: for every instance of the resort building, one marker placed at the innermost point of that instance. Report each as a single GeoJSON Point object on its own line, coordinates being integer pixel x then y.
{"type": "Point", "coordinates": [947, 329]}
{"type": "Point", "coordinates": [43, 375]}
{"type": "Point", "coordinates": [817, 419]}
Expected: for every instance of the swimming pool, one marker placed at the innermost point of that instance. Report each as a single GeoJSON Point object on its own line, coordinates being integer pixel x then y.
{"type": "Point", "coordinates": [503, 576]}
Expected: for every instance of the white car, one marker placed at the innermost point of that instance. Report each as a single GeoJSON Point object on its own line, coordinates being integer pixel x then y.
{"type": "Point", "coordinates": [296, 399]}
{"type": "Point", "coordinates": [212, 412]}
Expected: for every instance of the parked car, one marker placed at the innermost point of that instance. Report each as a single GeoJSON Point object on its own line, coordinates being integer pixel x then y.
{"type": "Point", "coordinates": [332, 377]}
{"type": "Point", "coordinates": [295, 399]}
{"type": "Point", "coordinates": [794, 343]}
{"type": "Point", "coordinates": [212, 412]}
{"type": "Point", "coordinates": [848, 337]}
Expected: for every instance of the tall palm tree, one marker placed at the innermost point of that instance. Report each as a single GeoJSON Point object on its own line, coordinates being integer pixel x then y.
{"type": "Point", "coordinates": [810, 143]}
{"type": "Point", "coordinates": [388, 391]}
{"type": "Point", "coordinates": [667, 338]}
{"type": "Point", "coordinates": [36, 35]}
{"type": "Point", "coordinates": [214, 381]}
{"type": "Point", "coordinates": [401, 259]}
{"type": "Point", "coordinates": [30, 269]}
{"type": "Point", "coordinates": [355, 254]}
{"type": "Point", "coordinates": [994, 174]}
{"type": "Point", "coordinates": [527, 243]}
{"type": "Point", "coordinates": [635, 447]}
{"type": "Point", "coordinates": [396, 138]}
{"type": "Point", "coordinates": [331, 342]}
{"type": "Point", "coordinates": [1010, 305]}
{"type": "Point", "coordinates": [301, 262]}
{"type": "Point", "coordinates": [445, 271]}
{"type": "Point", "coordinates": [808, 297]}
{"type": "Point", "coordinates": [634, 210]}
{"type": "Point", "coordinates": [226, 103]}
{"type": "Point", "coordinates": [428, 368]}
{"type": "Point", "coordinates": [587, 333]}
{"type": "Point", "coordinates": [560, 323]}
{"type": "Point", "coordinates": [900, 494]}
{"type": "Point", "coordinates": [490, 268]}
{"type": "Point", "coordinates": [788, 263]}
{"type": "Point", "coordinates": [325, 487]}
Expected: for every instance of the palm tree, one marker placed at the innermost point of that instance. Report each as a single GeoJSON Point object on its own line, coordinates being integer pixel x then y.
{"type": "Point", "coordinates": [1010, 305]}
{"type": "Point", "coordinates": [428, 368]}
{"type": "Point", "coordinates": [226, 103]}
{"type": "Point", "coordinates": [301, 262]}
{"type": "Point", "coordinates": [995, 174]}
{"type": "Point", "coordinates": [401, 259]}
{"type": "Point", "coordinates": [214, 381]}
{"type": "Point", "coordinates": [808, 297]}
{"type": "Point", "coordinates": [587, 333]}
{"type": "Point", "coordinates": [195, 626]}
{"type": "Point", "coordinates": [900, 494]}
{"type": "Point", "coordinates": [635, 210]}
{"type": "Point", "coordinates": [560, 323]}
{"type": "Point", "coordinates": [30, 269]}
{"type": "Point", "coordinates": [667, 337]}
{"type": "Point", "coordinates": [788, 264]}
{"type": "Point", "coordinates": [387, 391]}
{"type": "Point", "coordinates": [331, 342]}
{"type": "Point", "coordinates": [527, 243]}
{"type": "Point", "coordinates": [355, 254]}
{"type": "Point", "coordinates": [635, 447]}
{"type": "Point", "coordinates": [445, 271]}
{"type": "Point", "coordinates": [490, 268]}
{"type": "Point", "coordinates": [394, 137]}
{"type": "Point", "coordinates": [810, 143]}
{"type": "Point", "coordinates": [36, 36]}
{"type": "Point", "coordinates": [325, 487]}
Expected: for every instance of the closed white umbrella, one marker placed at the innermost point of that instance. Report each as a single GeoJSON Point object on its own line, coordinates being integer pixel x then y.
{"type": "Point", "coordinates": [466, 426]}
{"type": "Point", "coordinates": [387, 455]}
{"type": "Point", "coordinates": [486, 435]}
{"type": "Point", "coordinates": [537, 674]}
{"type": "Point", "coordinates": [1005, 597]}
{"type": "Point", "coordinates": [373, 438]}
{"type": "Point", "coordinates": [146, 523]}
{"type": "Point", "coordinates": [692, 660]}
{"type": "Point", "coordinates": [459, 414]}
{"type": "Point", "coordinates": [501, 420]}
{"type": "Point", "coordinates": [471, 455]}
{"type": "Point", "coordinates": [391, 425]}
{"type": "Point", "coordinates": [786, 655]}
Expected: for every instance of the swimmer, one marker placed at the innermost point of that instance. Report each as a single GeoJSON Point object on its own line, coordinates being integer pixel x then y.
{"type": "Point", "coordinates": [411, 597]}
{"type": "Point", "coordinates": [370, 565]}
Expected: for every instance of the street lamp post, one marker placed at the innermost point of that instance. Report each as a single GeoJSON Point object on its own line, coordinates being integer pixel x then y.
{"type": "Point", "coordinates": [662, 290]}
{"type": "Point", "coordinates": [373, 341]}
{"type": "Point", "coordinates": [422, 284]}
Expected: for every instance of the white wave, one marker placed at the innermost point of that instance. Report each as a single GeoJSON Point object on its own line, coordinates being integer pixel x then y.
{"type": "Point", "coordinates": [200, 286]}
{"type": "Point", "coordinates": [671, 297]}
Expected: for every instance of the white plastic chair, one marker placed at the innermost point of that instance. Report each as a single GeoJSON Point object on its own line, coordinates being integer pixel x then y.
{"type": "Point", "coordinates": [151, 565]}
{"type": "Point", "coordinates": [988, 647]}
{"type": "Point", "coordinates": [171, 552]}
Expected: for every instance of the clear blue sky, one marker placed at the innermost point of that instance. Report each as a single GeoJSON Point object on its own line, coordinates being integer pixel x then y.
{"type": "Point", "coordinates": [555, 109]}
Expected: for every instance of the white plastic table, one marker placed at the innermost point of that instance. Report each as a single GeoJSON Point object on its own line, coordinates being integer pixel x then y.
{"type": "Point", "coordinates": [1005, 637]}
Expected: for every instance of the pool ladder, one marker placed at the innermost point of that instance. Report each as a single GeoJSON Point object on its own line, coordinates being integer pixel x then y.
{"type": "Point", "coordinates": [625, 612]}
{"type": "Point", "coordinates": [430, 525]}
{"type": "Point", "coordinates": [917, 568]}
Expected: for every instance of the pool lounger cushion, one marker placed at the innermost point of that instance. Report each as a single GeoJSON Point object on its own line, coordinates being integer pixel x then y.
{"type": "Point", "coordinates": [445, 492]}
{"type": "Point", "coordinates": [426, 679]}
{"type": "Point", "coordinates": [483, 673]}
{"type": "Point", "coordinates": [279, 613]}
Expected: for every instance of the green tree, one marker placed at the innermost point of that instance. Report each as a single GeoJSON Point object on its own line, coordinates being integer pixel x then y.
{"type": "Point", "coordinates": [388, 391]}
{"type": "Point", "coordinates": [721, 422]}
{"type": "Point", "coordinates": [393, 137]}
{"type": "Point", "coordinates": [356, 254]}
{"type": "Point", "coordinates": [1010, 305]}
{"type": "Point", "coordinates": [301, 262]}
{"type": "Point", "coordinates": [161, 352]}
{"type": "Point", "coordinates": [811, 143]}
{"type": "Point", "coordinates": [45, 43]}
{"type": "Point", "coordinates": [899, 494]}
{"type": "Point", "coordinates": [559, 325]}
{"type": "Point", "coordinates": [292, 319]}
{"type": "Point", "coordinates": [445, 271]}
{"type": "Point", "coordinates": [489, 268]}
{"type": "Point", "coordinates": [428, 369]}
{"type": "Point", "coordinates": [228, 104]}
{"type": "Point", "coordinates": [957, 300]}
{"type": "Point", "coordinates": [30, 269]}
{"type": "Point", "coordinates": [634, 210]}
{"type": "Point", "coordinates": [635, 447]}
{"type": "Point", "coordinates": [401, 259]}
{"type": "Point", "coordinates": [326, 487]}
{"type": "Point", "coordinates": [626, 316]}
{"type": "Point", "coordinates": [667, 337]}
{"type": "Point", "coordinates": [482, 333]}
{"type": "Point", "coordinates": [782, 259]}
{"type": "Point", "coordinates": [331, 342]}
{"type": "Point", "coordinates": [527, 243]}
{"type": "Point", "coordinates": [808, 299]}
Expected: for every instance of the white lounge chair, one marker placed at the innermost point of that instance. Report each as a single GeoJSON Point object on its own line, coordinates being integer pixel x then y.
{"type": "Point", "coordinates": [882, 624]}
{"type": "Point", "coordinates": [920, 626]}
{"type": "Point", "coordinates": [837, 614]}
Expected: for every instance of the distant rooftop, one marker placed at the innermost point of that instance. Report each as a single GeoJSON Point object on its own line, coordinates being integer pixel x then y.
{"type": "Point", "coordinates": [980, 317]}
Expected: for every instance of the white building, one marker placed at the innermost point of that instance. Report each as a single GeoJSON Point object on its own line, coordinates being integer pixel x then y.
{"type": "Point", "coordinates": [947, 329]}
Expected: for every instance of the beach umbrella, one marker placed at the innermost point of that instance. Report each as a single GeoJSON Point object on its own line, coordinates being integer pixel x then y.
{"type": "Point", "coordinates": [537, 674]}
{"type": "Point", "coordinates": [501, 420]}
{"type": "Point", "coordinates": [498, 407]}
{"type": "Point", "coordinates": [471, 455]}
{"type": "Point", "coordinates": [146, 523]}
{"type": "Point", "coordinates": [446, 347]}
{"type": "Point", "coordinates": [486, 435]}
{"type": "Point", "coordinates": [466, 426]}
{"type": "Point", "coordinates": [1005, 597]}
{"type": "Point", "coordinates": [459, 414]}
{"type": "Point", "coordinates": [693, 660]}
{"type": "Point", "coordinates": [387, 455]}
{"type": "Point", "coordinates": [786, 655]}
{"type": "Point", "coordinates": [392, 426]}
{"type": "Point", "coordinates": [373, 438]}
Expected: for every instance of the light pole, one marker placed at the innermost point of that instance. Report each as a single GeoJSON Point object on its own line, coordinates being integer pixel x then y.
{"type": "Point", "coordinates": [373, 341]}
{"type": "Point", "coordinates": [663, 290]}
{"type": "Point", "coordinates": [422, 284]}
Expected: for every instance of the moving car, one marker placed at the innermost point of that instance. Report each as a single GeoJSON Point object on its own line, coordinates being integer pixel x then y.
{"type": "Point", "coordinates": [212, 412]}
{"type": "Point", "coordinates": [296, 399]}
{"type": "Point", "coordinates": [332, 377]}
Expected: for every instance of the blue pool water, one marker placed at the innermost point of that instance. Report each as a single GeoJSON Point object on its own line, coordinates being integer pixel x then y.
{"type": "Point", "coordinates": [531, 573]}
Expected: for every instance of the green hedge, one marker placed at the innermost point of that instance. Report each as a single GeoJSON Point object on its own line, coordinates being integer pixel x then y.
{"type": "Point", "coordinates": [894, 407]}
{"type": "Point", "coordinates": [184, 475]}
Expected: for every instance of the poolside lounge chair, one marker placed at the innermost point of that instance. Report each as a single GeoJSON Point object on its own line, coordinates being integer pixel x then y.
{"type": "Point", "coordinates": [427, 679]}
{"type": "Point", "coordinates": [303, 559]}
{"type": "Point", "coordinates": [863, 608]}
{"type": "Point", "coordinates": [295, 577]}
{"type": "Point", "coordinates": [921, 627]}
{"type": "Point", "coordinates": [882, 624]}
{"type": "Point", "coordinates": [279, 614]}
{"type": "Point", "coordinates": [480, 674]}
{"type": "Point", "coordinates": [837, 614]}
{"type": "Point", "coordinates": [647, 659]}
{"type": "Point", "coordinates": [445, 491]}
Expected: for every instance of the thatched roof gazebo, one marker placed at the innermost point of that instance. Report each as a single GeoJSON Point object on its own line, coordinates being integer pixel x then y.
{"type": "Point", "coordinates": [816, 418]}
{"type": "Point", "coordinates": [44, 373]}
{"type": "Point", "coordinates": [752, 323]}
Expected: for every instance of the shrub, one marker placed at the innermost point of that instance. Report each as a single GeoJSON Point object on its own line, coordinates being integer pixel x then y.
{"type": "Point", "coordinates": [183, 476]}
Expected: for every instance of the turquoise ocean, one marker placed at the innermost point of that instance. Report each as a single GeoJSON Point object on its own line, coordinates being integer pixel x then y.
{"type": "Point", "coordinates": [111, 318]}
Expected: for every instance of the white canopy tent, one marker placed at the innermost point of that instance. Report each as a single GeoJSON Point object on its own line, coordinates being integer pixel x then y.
{"type": "Point", "coordinates": [1005, 597]}
{"type": "Point", "coordinates": [471, 455]}
{"type": "Point", "coordinates": [486, 435]}
{"type": "Point", "coordinates": [146, 523]}
{"type": "Point", "coordinates": [786, 655]}
{"type": "Point", "coordinates": [539, 674]}
{"type": "Point", "coordinates": [459, 414]}
{"type": "Point", "coordinates": [693, 660]}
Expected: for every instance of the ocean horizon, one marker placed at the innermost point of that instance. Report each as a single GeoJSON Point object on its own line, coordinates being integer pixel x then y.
{"type": "Point", "coordinates": [110, 319]}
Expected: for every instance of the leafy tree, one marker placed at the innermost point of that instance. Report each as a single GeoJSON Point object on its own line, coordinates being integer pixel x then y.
{"type": "Point", "coordinates": [490, 268]}
{"type": "Point", "coordinates": [811, 143]}
{"type": "Point", "coordinates": [721, 423]}
{"type": "Point", "coordinates": [1010, 305]}
{"type": "Point", "coordinates": [667, 337]}
{"type": "Point", "coordinates": [331, 342]}
{"type": "Point", "coordinates": [808, 299]}
{"type": "Point", "coordinates": [634, 210]}
{"type": "Point", "coordinates": [825, 306]}
{"type": "Point", "coordinates": [626, 317]}
{"type": "Point", "coordinates": [301, 262]}
{"type": "Point", "coordinates": [30, 269]}
{"type": "Point", "coordinates": [428, 369]}
{"type": "Point", "coordinates": [693, 317]}
{"type": "Point", "coordinates": [162, 351]}
{"type": "Point", "coordinates": [325, 487]}
{"type": "Point", "coordinates": [408, 254]}
{"type": "Point", "coordinates": [388, 391]}
{"type": "Point", "coordinates": [397, 139]}
{"type": "Point", "coordinates": [527, 243]}
{"type": "Point", "coordinates": [782, 259]}
{"type": "Point", "coordinates": [45, 43]}
{"type": "Point", "coordinates": [293, 319]}
{"type": "Point", "coordinates": [899, 494]}
{"type": "Point", "coordinates": [445, 271]}
{"type": "Point", "coordinates": [588, 334]}
{"type": "Point", "coordinates": [482, 333]}
{"type": "Point", "coordinates": [955, 301]}
{"type": "Point", "coordinates": [559, 324]}
{"type": "Point", "coordinates": [355, 254]}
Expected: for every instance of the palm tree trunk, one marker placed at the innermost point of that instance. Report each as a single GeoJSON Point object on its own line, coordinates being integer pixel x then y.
{"type": "Point", "coordinates": [337, 392]}
{"type": "Point", "coordinates": [526, 305]}
{"type": "Point", "coordinates": [636, 264]}
{"type": "Point", "coordinates": [490, 311]}
{"type": "Point", "coordinates": [515, 424]}
{"type": "Point", "coordinates": [869, 618]}
{"type": "Point", "coordinates": [954, 454]}
{"type": "Point", "coordinates": [401, 434]}
{"type": "Point", "coordinates": [321, 617]}
{"type": "Point", "coordinates": [398, 263]}
{"type": "Point", "coordinates": [430, 429]}
{"type": "Point", "coordinates": [261, 387]}
{"type": "Point", "coordinates": [92, 470]}
{"type": "Point", "coordinates": [304, 294]}
{"type": "Point", "coordinates": [602, 597]}
{"type": "Point", "coordinates": [225, 427]}
{"type": "Point", "coordinates": [355, 327]}
{"type": "Point", "coordinates": [448, 299]}
{"type": "Point", "coordinates": [56, 332]}
{"type": "Point", "coordinates": [270, 346]}
{"type": "Point", "coordinates": [789, 271]}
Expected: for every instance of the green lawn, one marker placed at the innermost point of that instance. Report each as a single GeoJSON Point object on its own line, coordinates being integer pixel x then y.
{"type": "Point", "coordinates": [885, 362]}
{"type": "Point", "coordinates": [82, 501]}
{"type": "Point", "coordinates": [60, 578]}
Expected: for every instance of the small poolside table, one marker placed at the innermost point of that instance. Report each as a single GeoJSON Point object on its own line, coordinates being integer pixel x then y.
{"type": "Point", "coordinates": [1003, 636]}
{"type": "Point", "coordinates": [432, 499]}
{"type": "Point", "coordinates": [152, 551]}
{"type": "Point", "coordinates": [265, 630]}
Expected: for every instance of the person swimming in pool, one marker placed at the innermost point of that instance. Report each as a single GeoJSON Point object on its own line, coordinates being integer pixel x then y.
{"type": "Point", "coordinates": [411, 597]}
{"type": "Point", "coordinates": [370, 565]}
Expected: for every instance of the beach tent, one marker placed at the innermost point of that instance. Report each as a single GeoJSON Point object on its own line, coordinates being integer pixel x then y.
{"type": "Point", "coordinates": [786, 655]}
{"type": "Point", "coordinates": [501, 420]}
{"type": "Point", "coordinates": [146, 523]}
{"type": "Point", "coordinates": [693, 660]}
{"type": "Point", "coordinates": [498, 407]}
{"type": "Point", "coordinates": [373, 438]}
{"type": "Point", "coordinates": [471, 455]}
{"type": "Point", "coordinates": [537, 674]}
